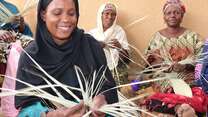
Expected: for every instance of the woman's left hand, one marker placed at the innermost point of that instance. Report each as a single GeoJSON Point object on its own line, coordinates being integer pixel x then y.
{"type": "Point", "coordinates": [98, 101]}
{"type": "Point", "coordinates": [115, 44]}
{"type": "Point", "coordinates": [7, 36]}
{"type": "Point", "coordinates": [177, 67]}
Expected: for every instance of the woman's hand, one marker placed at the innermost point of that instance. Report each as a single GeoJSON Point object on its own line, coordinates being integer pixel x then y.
{"type": "Point", "coordinates": [185, 110]}
{"type": "Point", "coordinates": [154, 57]}
{"type": "Point", "coordinates": [7, 36]}
{"type": "Point", "coordinates": [76, 111]}
{"type": "Point", "coordinates": [115, 44]}
{"type": "Point", "coordinates": [98, 101]}
{"type": "Point", "coordinates": [102, 44]}
{"type": "Point", "coordinates": [177, 67]}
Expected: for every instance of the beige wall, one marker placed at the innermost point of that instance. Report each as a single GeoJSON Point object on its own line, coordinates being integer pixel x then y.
{"type": "Point", "coordinates": [130, 11]}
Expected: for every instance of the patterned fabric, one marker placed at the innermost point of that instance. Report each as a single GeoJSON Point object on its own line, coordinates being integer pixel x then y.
{"type": "Point", "coordinates": [198, 101]}
{"type": "Point", "coordinates": [110, 6]}
{"type": "Point", "coordinates": [202, 70]}
{"type": "Point", "coordinates": [5, 49]}
{"type": "Point", "coordinates": [177, 3]}
{"type": "Point", "coordinates": [185, 47]}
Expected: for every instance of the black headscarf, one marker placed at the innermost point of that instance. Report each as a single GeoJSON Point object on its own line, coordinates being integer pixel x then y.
{"type": "Point", "coordinates": [59, 60]}
{"type": "Point", "coordinates": [54, 58]}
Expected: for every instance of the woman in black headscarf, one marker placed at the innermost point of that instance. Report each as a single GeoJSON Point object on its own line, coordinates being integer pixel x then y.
{"type": "Point", "coordinates": [58, 46]}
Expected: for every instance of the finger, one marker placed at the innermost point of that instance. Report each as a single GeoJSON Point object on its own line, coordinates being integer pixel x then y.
{"type": "Point", "coordinates": [98, 114]}
{"type": "Point", "coordinates": [13, 39]}
{"type": "Point", "coordinates": [160, 115]}
{"type": "Point", "coordinates": [9, 37]}
{"type": "Point", "coordinates": [1, 37]}
{"type": "Point", "coordinates": [73, 110]}
{"type": "Point", "coordinates": [99, 101]}
{"type": "Point", "coordinates": [4, 37]}
{"type": "Point", "coordinates": [179, 111]}
{"type": "Point", "coordinates": [55, 113]}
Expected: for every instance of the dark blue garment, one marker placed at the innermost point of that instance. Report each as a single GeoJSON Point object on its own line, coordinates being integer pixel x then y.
{"type": "Point", "coordinates": [204, 72]}
{"type": "Point", "coordinates": [13, 26]}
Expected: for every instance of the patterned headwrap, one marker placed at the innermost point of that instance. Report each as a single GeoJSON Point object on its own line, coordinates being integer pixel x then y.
{"type": "Point", "coordinates": [110, 6]}
{"type": "Point", "coordinates": [176, 3]}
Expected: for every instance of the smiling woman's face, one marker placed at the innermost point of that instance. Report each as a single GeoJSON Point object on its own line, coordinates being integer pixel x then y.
{"type": "Point", "coordinates": [60, 18]}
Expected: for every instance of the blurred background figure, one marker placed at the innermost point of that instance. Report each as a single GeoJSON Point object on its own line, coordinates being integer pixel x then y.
{"type": "Point", "coordinates": [113, 40]}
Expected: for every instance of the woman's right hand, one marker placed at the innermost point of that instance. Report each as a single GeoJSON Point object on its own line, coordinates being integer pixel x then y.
{"type": "Point", "coordinates": [185, 110]}
{"type": "Point", "coordinates": [102, 44]}
{"type": "Point", "coordinates": [7, 36]}
{"type": "Point", "coordinates": [76, 111]}
{"type": "Point", "coordinates": [177, 67]}
{"type": "Point", "coordinates": [154, 57]}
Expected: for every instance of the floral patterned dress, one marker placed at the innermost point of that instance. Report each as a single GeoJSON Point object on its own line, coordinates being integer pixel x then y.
{"type": "Point", "coordinates": [184, 47]}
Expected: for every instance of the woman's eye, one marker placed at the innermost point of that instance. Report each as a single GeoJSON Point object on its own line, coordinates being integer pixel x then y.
{"type": "Point", "coordinates": [57, 12]}
{"type": "Point", "coordinates": [71, 13]}
{"type": "Point", "coordinates": [167, 13]}
{"type": "Point", "coordinates": [105, 14]}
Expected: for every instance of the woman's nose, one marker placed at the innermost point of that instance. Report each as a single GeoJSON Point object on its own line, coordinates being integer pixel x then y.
{"type": "Point", "coordinates": [172, 15]}
{"type": "Point", "coordinates": [65, 18]}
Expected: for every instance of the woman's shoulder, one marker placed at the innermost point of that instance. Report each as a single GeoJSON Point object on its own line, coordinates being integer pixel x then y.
{"type": "Point", "coordinates": [119, 28]}
{"type": "Point", "coordinates": [93, 31]}
{"type": "Point", "coordinates": [156, 36]}
{"type": "Point", "coordinates": [190, 32]}
{"type": "Point", "coordinates": [94, 47]}
{"type": "Point", "coordinates": [192, 35]}
{"type": "Point", "coordinates": [91, 39]}
{"type": "Point", "coordinates": [93, 43]}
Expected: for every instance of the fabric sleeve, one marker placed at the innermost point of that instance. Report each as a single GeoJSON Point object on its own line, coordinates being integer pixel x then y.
{"type": "Point", "coordinates": [33, 110]}
{"type": "Point", "coordinates": [122, 38]}
{"type": "Point", "coordinates": [152, 44]}
{"type": "Point", "coordinates": [198, 48]}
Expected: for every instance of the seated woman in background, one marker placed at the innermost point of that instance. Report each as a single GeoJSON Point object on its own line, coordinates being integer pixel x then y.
{"type": "Point", "coordinates": [113, 40]}
{"type": "Point", "coordinates": [171, 46]}
{"type": "Point", "coordinates": [175, 43]}
{"type": "Point", "coordinates": [17, 25]}
{"type": "Point", "coordinates": [59, 45]}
